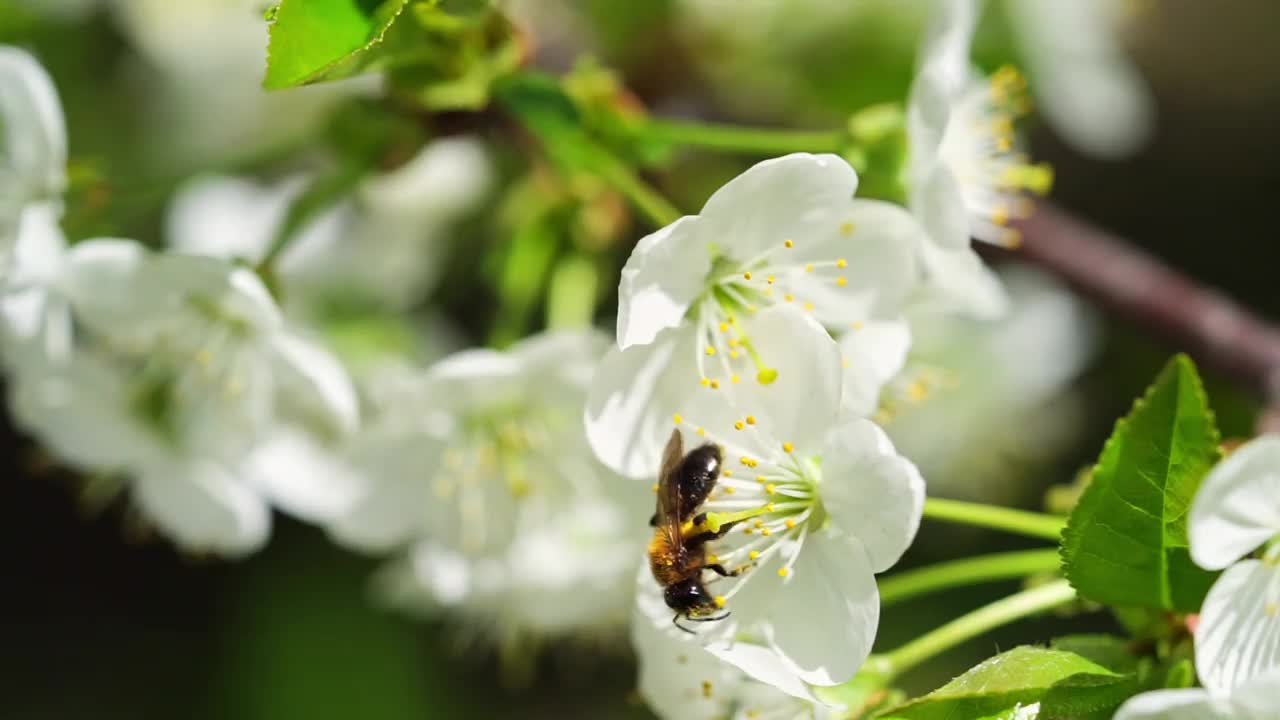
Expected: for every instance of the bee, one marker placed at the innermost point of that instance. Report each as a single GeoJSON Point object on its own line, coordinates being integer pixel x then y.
{"type": "Point", "coordinates": [677, 553]}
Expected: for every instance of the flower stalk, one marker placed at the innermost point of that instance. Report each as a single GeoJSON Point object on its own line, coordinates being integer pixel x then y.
{"type": "Point", "coordinates": [748, 140]}
{"type": "Point", "coordinates": [1020, 522]}
{"type": "Point", "coordinates": [1001, 612]}
{"type": "Point", "coordinates": [966, 571]}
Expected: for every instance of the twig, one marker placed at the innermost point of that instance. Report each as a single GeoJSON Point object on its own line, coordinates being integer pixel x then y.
{"type": "Point", "coordinates": [1215, 329]}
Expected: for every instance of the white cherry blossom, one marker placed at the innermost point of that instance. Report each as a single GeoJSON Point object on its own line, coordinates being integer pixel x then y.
{"type": "Point", "coordinates": [821, 505]}
{"type": "Point", "coordinates": [1254, 700]}
{"type": "Point", "coordinates": [1086, 88]}
{"type": "Point", "coordinates": [383, 242]}
{"type": "Point", "coordinates": [33, 142]}
{"type": "Point", "coordinates": [787, 232]}
{"type": "Point", "coordinates": [458, 453]}
{"type": "Point", "coordinates": [207, 340]}
{"type": "Point", "coordinates": [966, 169]}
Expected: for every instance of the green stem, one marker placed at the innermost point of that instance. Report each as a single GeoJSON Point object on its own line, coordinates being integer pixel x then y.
{"type": "Point", "coordinates": [1038, 525]}
{"type": "Point", "coordinates": [753, 141]}
{"type": "Point", "coordinates": [966, 571]}
{"type": "Point", "coordinates": [1000, 612]}
{"type": "Point", "coordinates": [645, 198]}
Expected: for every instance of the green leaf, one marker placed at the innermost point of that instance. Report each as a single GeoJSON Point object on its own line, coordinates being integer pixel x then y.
{"type": "Point", "coordinates": [1126, 541]}
{"type": "Point", "coordinates": [315, 40]}
{"type": "Point", "coordinates": [1066, 685]}
{"type": "Point", "coordinates": [1110, 651]}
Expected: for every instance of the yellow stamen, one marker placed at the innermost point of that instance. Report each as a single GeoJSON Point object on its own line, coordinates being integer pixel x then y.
{"type": "Point", "coordinates": [678, 418]}
{"type": "Point", "coordinates": [783, 572]}
{"type": "Point", "coordinates": [738, 425]}
{"type": "Point", "coordinates": [751, 419]}
{"type": "Point", "coordinates": [842, 263]}
{"type": "Point", "coordinates": [715, 384]}
{"type": "Point", "coordinates": [753, 554]}
{"type": "Point", "coordinates": [746, 275]}
{"type": "Point", "coordinates": [788, 243]}
{"type": "Point", "coordinates": [808, 268]}
{"type": "Point", "coordinates": [771, 488]}
{"type": "Point", "coordinates": [791, 524]}
{"type": "Point", "coordinates": [846, 228]}
{"type": "Point", "coordinates": [842, 281]}
{"type": "Point", "coordinates": [711, 350]}
{"type": "Point", "coordinates": [720, 601]}
{"type": "Point", "coordinates": [788, 447]}
{"type": "Point", "coordinates": [734, 378]}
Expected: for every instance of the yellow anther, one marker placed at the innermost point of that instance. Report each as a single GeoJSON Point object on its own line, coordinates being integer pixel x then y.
{"type": "Point", "coordinates": [711, 350]}
{"type": "Point", "coordinates": [705, 382]}
{"type": "Point", "coordinates": [788, 297]}
{"type": "Point", "coordinates": [712, 558]}
{"type": "Point", "coordinates": [770, 279]}
{"type": "Point", "coordinates": [788, 447]}
{"type": "Point", "coordinates": [766, 376]}
{"type": "Point", "coordinates": [1000, 215]}
{"type": "Point", "coordinates": [746, 275]}
{"type": "Point", "coordinates": [729, 489]}
{"type": "Point", "coordinates": [746, 531]}
{"type": "Point", "coordinates": [842, 263]}
{"type": "Point", "coordinates": [855, 325]}
{"type": "Point", "coordinates": [654, 487]}
{"type": "Point", "coordinates": [771, 488]}
{"type": "Point", "coordinates": [706, 688]}
{"type": "Point", "coordinates": [738, 425]}
{"type": "Point", "coordinates": [700, 432]}
{"type": "Point", "coordinates": [842, 281]}
{"type": "Point", "coordinates": [808, 307]}
{"type": "Point", "coordinates": [734, 354]}
{"type": "Point", "coordinates": [724, 327]}
{"type": "Point", "coordinates": [791, 524]}
{"type": "Point", "coordinates": [734, 378]}
{"type": "Point", "coordinates": [720, 601]}
{"type": "Point", "coordinates": [758, 524]}
{"type": "Point", "coordinates": [808, 268]}
{"type": "Point", "coordinates": [788, 243]}
{"type": "Point", "coordinates": [783, 572]}
{"type": "Point", "coordinates": [770, 507]}
{"type": "Point", "coordinates": [761, 479]}
{"type": "Point", "coordinates": [733, 342]}
{"type": "Point", "coordinates": [751, 419]}
{"type": "Point", "coordinates": [766, 532]}
{"type": "Point", "coordinates": [715, 384]}
{"type": "Point", "coordinates": [678, 418]}
{"type": "Point", "coordinates": [728, 473]}
{"type": "Point", "coordinates": [846, 228]}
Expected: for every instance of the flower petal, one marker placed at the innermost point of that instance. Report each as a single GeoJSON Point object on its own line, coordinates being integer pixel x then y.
{"type": "Point", "coordinates": [227, 217]}
{"type": "Point", "coordinates": [1238, 637]}
{"type": "Point", "coordinates": [665, 273]}
{"type": "Point", "coordinates": [872, 355]}
{"type": "Point", "coordinates": [870, 491]}
{"type": "Point", "coordinates": [316, 381]}
{"type": "Point", "coordinates": [877, 242]}
{"type": "Point", "coordinates": [826, 617]}
{"type": "Point", "coordinates": [797, 196]}
{"type": "Point", "coordinates": [1085, 86]}
{"type": "Point", "coordinates": [204, 508]}
{"type": "Point", "coordinates": [959, 279]}
{"type": "Point", "coordinates": [1238, 505]}
{"type": "Point", "coordinates": [633, 395]}
{"type": "Point", "coordinates": [1182, 704]}
{"type": "Point", "coordinates": [396, 500]}
{"type": "Point", "coordinates": [301, 477]}
{"type": "Point", "coordinates": [803, 401]}
{"type": "Point", "coordinates": [763, 664]}
{"type": "Point", "coordinates": [101, 279]}
{"type": "Point", "coordinates": [33, 135]}
{"type": "Point", "coordinates": [937, 200]}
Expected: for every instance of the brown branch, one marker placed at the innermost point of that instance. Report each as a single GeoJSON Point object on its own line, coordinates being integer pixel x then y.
{"type": "Point", "coordinates": [1214, 329]}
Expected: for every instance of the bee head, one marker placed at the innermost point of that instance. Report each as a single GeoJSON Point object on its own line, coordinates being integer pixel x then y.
{"type": "Point", "coordinates": [690, 596]}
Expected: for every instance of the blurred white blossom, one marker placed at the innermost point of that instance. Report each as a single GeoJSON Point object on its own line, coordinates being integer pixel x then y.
{"type": "Point", "coordinates": [966, 170]}
{"type": "Point", "coordinates": [1087, 89]}
{"type": "Point", "coordinates": [787, 232]}
{"type": "Point", "coordinates": [34, 324]}
{"type": "Point", "coordinates": [822, 504]}
{"type": "Point", "coordinates": [208, 58]}
{"type": "Point", "coordinates": [460, 453]}
{"type": "Point", "coordinates": [383, 242]}
{"type": "Point", "coordinates": [981, 399]}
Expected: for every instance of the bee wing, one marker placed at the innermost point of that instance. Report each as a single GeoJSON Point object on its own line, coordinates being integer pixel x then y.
{"type": "Point", "coordinates": [669, 488]}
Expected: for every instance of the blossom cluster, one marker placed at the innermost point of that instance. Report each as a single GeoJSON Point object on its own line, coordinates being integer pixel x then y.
{"type": "Point", "coordinates": [204, 380]}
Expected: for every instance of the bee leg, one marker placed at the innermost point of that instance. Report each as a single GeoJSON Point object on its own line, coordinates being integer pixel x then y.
{"type": "Point", "coordinates": [719, 570]}
{"type": "Point", "coordinates": [675, 620]}
{"type": "Point", "coordinates": [713, 618]}
{"type": "Point", "coordinates": [703, 538]}
{"type": "Point", "coordinates": [653, 521]}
